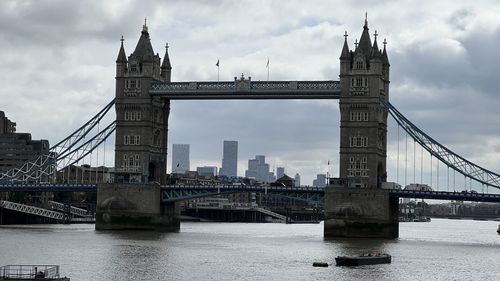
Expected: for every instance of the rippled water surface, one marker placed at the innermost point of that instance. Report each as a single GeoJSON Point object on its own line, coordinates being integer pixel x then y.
{"type": "Point", "coordinates": [439, 250]}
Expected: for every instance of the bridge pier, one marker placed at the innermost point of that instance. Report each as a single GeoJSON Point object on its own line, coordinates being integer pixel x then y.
{"type": "Point", "coordinates": [360, 212]}
{"type": "Point", "coordinates": [123, 206]}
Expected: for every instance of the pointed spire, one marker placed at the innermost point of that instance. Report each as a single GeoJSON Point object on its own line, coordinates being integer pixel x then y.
{"type": "Point", "coordinates": [375, 51]}
{"type": "Point", "coordinates": [385, 59]}
{"type": "Point", "coordinates": [166, 68]}
{"type": "Point", "coordinates": [145, 26]}
{"type": "Point", "coordinates": [365, 44]}
{"type": "Point", "coordinates": [166, 60]}
{"type": "Point", "coordinates": [144, 50]}
{"type": "Point", "coordinates": [345, 50]}
{"type": "Point", "coordinates": [121, 55]}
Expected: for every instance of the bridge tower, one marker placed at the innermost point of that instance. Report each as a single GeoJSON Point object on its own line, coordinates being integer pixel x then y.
{"type": "Point", "coordinates": [133, 200]}
{"type": "Point", "coordinates": [364, 76]}
{"type": "Point", "coordinates": [141, 120]}
{"type": "Point", "coordinates": [362, 208]}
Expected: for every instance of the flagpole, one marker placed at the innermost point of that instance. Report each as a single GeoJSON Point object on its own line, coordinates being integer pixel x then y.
{"type": "Point", "coordinates": [267, 69]}
{"type": "Point", "coordinates": [217, 64]}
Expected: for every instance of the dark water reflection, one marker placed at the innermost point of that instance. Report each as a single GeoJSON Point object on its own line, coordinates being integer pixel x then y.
{"type": "Point", "coordinates": [439, 250]}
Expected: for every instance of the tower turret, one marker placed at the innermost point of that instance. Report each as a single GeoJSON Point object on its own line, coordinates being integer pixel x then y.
{"type": "Point", "coordinates": [345, 57]}
{"type": "Point", "coordinates": [166, 68]}
{"type": "Point", "coordinates": [121, 61]}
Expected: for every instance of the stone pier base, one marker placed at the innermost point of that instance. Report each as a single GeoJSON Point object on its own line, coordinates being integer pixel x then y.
{"type": "Point", "coordinates": [134, 206]}
{"type": "Point", "coordinates": [360, 212]}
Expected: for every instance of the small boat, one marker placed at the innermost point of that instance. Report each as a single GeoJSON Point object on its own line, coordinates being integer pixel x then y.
{"type": "Point", "coordinates": [362, 260]}
{"type": "Point", "coordinates": [320, 264]}
{"type": "Point", "coordinates": [498, 229]}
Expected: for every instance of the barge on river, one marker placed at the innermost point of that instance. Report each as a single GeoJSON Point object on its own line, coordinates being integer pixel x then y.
{"type": "Point", "coordinates": [362, 260]}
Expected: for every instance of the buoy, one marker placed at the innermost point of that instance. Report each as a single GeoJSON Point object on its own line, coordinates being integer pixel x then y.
{"type": "Point", "coordinates": [320, 264]}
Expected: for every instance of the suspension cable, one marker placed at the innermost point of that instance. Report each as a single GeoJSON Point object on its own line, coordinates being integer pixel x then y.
{"type": "Point", "coordinates": [437, 176]}
{"type": "Point", "coordinates": [421, 164]}
{"type": "Point", "coordinates": [431, 170]}
{"type": "Point", "coordinates": [406, 158]}
{"type": "Point", "coordinates": [97, 158]}
{"type": "Point", "coordinates": [414, 160]}
{"type": "Point", "coordinates": [448, 179]}
{"type": "Point", "coordinates": [397, 164]}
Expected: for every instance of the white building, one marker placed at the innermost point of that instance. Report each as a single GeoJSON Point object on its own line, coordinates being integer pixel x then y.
{"type": "Point", "coordinates": [180, 158]}
{"type": "Point", "coordinates": [207, 170]}
{"type": "Point", "coordinates": [229, 159]}
{"type": "Point", "coordinates": [297, 180]}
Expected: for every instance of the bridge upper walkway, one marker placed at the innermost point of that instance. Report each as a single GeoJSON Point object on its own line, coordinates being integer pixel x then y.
{"type": "Point", "coordinates": [246, 89]}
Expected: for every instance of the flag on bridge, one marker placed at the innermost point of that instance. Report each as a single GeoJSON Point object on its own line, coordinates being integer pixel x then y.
{"type": "Point", "coordinates": [217, 64]}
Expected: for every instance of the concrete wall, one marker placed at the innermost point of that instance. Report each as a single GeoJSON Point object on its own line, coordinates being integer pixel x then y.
{"type": "Point", "coordinates": [134, 206]}
{"type": "Point", "coordinates": [360, 212]}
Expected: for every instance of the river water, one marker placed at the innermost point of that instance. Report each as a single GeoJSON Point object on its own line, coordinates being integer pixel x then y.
{"type": "Point", "coordinates": [438, 250]}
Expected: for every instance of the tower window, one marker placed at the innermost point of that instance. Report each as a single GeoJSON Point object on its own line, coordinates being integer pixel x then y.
{"type": "Point", "coordinates": [358, 141]}
{"type": "Point", "coordinates": [125, 160]}
{"type": "Point", "coordinates": [359, 82]}
{"type": "Point", "coordinates": [136, 160]}
{"type": "Point", "coordinates": [358, 168]}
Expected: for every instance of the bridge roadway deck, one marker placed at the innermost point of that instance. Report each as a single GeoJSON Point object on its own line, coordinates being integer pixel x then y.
{"type": "Point", "coordinates": [172, 193]}
{"type": "Point", "coordinates": [246, 89]}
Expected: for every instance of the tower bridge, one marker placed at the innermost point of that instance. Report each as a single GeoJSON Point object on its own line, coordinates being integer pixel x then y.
{"type": "Point", "coordinates": [139, 197]}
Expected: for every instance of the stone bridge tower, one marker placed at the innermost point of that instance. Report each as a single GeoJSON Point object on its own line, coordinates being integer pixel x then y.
{"type": "Point", "coordinates": [141, 120]}
{"type": "Point", "coordinates": [362, 209]}
{"type": "Point", "coordinates": [364, 76]}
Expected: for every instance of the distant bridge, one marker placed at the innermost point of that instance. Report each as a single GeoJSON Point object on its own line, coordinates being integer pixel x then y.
{"type": "Point", "coordinates": [309, 194]}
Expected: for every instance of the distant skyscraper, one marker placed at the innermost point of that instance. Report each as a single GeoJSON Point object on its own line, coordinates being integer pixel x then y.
{"type": "Point", "coordinates": [259, 169]}
{"type": "Point", "coordinates": [229, 159]}
{"type": "Point", "coordinates": [280, 171]}
{"type": "Point", "coordinates": [320, 180]}
{"type": "Point", "coordinates": [180, 158]}
{"type": "Point", "coordinates": [297, 180]}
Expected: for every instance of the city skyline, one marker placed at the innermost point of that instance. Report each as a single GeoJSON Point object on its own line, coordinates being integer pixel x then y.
{"type": "Point", "coordinates": [439, 68]}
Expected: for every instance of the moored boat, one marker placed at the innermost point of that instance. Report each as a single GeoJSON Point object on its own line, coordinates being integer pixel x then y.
{"type": "Point", "coordinates": [362, 260]}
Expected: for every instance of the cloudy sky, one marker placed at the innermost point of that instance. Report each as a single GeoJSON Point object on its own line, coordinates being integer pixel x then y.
{"type": "Point", "coordinates": [57, 68]}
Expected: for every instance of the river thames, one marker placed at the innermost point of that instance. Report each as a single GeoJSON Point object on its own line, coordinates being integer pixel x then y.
{"type": "Point", "coordinates": [438, 250]}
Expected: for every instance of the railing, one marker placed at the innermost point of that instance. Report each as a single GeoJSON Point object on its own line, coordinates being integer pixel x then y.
{"type": "Point", "coordinates": [45, 187]}
{"type": "Point", "coordinates": [73, 210]}
{"type": "Point", "coordinates": [29, 272]}
{"type": "Point", "coordinates": [271, 213]}
{"type": "Point", "coordinates": [446, 195]}
{"type": "Point", "coordinates": [32, 210]}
